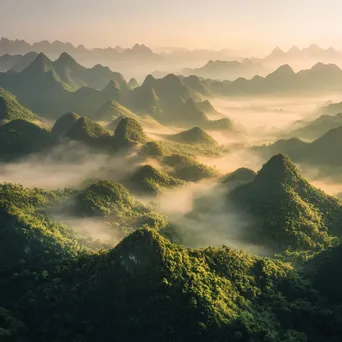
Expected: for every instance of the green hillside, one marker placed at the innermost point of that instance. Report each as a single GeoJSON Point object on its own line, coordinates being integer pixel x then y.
{"type": "Point", "coordinates": [128, 133]}
{"type": "Point", "coordinates": [18, 138]}
{"type": "Point", "coordinates": [286, 211]}
{"type": "Point", "coordinates": [188, 169]}
{"type": "Point", "coordinates": [149, 180]}
{"type": "Point", "coordinates": [11, 109]}
{"type": "Point", "coordinates": [193, 136]}
{"type": "Point", "coordinates": [88, 132]}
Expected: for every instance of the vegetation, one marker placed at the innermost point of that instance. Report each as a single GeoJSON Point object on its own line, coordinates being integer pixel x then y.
{"type": "Point", "coordinates": [188, 169]}
{"type": "Point", "coordinates": [149, 180]}
{"type": "Point", "coordinates": [64, 124]}
{"type": "Point", "coordinates": [194, 136]}
{"type": "Point", "coordinates": [287, 211]}
{"type": "Point", "coordinates": [11, 109]}
{"type": "Point", "coordinates": [128, 133]}
{"type": "Point", "coordinates": [18, 138]}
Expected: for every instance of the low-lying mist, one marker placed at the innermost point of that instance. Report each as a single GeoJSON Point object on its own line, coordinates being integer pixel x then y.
{"type": "Point", "coordinates": [202, 218]}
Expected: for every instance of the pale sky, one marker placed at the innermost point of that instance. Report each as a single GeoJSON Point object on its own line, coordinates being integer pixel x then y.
{"type": "Point", "coordinates": [185, 23]}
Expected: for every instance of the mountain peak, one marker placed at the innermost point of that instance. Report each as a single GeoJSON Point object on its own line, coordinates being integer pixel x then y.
{"type": "Point", "coordinates": [277, 52]}
{"type": "Point", "coordinates": [40, 63]}
{"type": "Point", "coordinates": [279, 169]}
{"type": "Point", "coordinates": [66, 60]}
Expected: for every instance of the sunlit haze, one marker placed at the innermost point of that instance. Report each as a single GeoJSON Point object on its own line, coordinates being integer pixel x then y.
{"type": "Point", "coordinates": [217, 24]}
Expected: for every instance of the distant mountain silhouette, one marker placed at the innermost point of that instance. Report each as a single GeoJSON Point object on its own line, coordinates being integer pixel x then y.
{"type": "Point", "coordinates": [315, 128]}
{"type": "Point", "coordinates": [19, 47]}
{"type": "Point", "coordinates": [228, 70]}
{"type": "Point", "coordinates": [301, 57]}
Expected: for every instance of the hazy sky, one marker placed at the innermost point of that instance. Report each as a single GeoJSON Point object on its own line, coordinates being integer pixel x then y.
{"type": "Point", "coordinates": [187, 23]}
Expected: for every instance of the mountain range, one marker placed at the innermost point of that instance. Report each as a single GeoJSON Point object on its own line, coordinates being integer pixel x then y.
{"type": "Point", "coordinates": [56, 48]}
{"type": "Point", "coordinates": [228, 70]}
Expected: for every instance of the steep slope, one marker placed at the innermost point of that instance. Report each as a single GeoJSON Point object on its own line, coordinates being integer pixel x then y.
{"type": "Point", "coordinates": [285, 210]}
{"type": "Point", "coordinates": [110, 111]}
{"type": "Point", "coordinates": [128, 133]}
{"type": "Point", "coordinates": [11, 109]}
{"type": "Point", "coordinates": [64, 124]}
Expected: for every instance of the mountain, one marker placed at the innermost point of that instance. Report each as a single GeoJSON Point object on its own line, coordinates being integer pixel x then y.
{"type": "Point", "coordinates": [11, 109]}
{"type": "Point", "coordinates": [203, 294]}
{"type": "Point", "coordinates": [321, 77]}
{"type": "Point", "coordinates": [286, 211]}
{"type": "Point", "coordinates": [149, 180]}
{"type": "Point", "coordinates": [188, 169]}
{"type": "Point", "coordinates": [315, 128]}
{"type": "Point", "coordinates": [239, 177]}
{"type": "Point", "coordinates": [53, 49]}
{"type": "Point", "coordinates": [7, 62]}
{"type": "Point", "coordinates": [64, 124]}
{"type": "Point", "coordinates": [301, 57]}
{"type": "Point", "coordinates": [128, 133]}
{"type": "Point", "coordinates": [112, 110]}
{"type": "Point", "coordinates": [193, 136]}
{"type": "Point", "coordinates": [314, 153]}
{"type": "Point", "coordinates": [16, 63]}
{"type": "Point", "coordinates": [18, 138]}
{"type": "Point", "coordinates": [227, 70]}
{"type": "Point", "coordinates": [88, 132]}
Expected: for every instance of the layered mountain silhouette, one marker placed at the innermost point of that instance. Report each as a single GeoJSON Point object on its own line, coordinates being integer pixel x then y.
{"type": "Point", "coordinates": [301, 57]}
{"type": "Point", "coordinates": [316, 128]}
{"type": "Point", "coordinates": [16, 63]}
{"type": "Point", "coordinates": [53, 49]}
{"type": "Point", "coordinates": [323, 151]}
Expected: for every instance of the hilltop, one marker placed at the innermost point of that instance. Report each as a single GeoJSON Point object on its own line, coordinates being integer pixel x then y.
{"type": "Point", "coordinates": [193, 136]}
{"type": "Point", "coordinates": [149, 180]}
